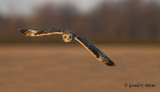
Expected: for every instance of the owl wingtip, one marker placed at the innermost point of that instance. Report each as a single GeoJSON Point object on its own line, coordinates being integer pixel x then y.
{"type": "Point", "coordinates": [22, 30]}
{"type": "Point", "coordinates": [111, 64]}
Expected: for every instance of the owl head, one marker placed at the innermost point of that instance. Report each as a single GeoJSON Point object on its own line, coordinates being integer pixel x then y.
{"type": "Point", "coordinates": [67, 37]}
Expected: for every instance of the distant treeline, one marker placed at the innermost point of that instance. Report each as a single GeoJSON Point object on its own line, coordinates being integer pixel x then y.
{"type": "Point", "coordinates": [127, 22]}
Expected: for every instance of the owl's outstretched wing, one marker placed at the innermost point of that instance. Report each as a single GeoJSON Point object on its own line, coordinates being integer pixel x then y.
{"type": "Point", "coordinates": [42, 31]}
{"type": "Point", "coordinates": [95, 51]}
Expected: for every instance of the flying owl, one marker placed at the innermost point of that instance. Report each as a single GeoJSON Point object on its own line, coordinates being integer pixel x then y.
{"type": "Point", "coordinates": [69, 36]}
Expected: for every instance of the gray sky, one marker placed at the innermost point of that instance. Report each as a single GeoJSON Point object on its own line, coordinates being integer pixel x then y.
{"type": "Point", "coordinates": [26, 6]}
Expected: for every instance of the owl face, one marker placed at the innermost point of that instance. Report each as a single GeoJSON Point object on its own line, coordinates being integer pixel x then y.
{"type": "Point", "coordinates": [67, 37]}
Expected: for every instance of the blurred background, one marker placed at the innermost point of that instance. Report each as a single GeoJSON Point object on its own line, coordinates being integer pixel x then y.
{"type": "Point", "coordinates": [107, 21]}
{"type": "Point", "coordinates": [128, 31]}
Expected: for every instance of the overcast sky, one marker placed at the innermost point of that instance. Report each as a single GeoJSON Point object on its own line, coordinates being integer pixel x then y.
{"type": "Point", "coordinates": [26, 6]}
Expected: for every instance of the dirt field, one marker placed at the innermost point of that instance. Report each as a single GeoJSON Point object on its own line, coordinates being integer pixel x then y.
{"type": "Point", "coordinates": [69, 68]}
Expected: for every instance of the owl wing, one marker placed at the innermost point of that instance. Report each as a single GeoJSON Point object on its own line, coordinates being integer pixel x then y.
{"type": "Point", "coordinates": [95, 51]}
{"type": "Point", "coordinates": [42, 31]}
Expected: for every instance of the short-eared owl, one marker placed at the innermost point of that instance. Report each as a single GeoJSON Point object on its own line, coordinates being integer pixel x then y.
{"type": "Point", "coordinates": [68, 36]}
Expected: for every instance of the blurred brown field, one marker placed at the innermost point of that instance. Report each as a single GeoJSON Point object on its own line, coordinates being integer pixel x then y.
{"type": "Point", "coordinates": [70, 68]}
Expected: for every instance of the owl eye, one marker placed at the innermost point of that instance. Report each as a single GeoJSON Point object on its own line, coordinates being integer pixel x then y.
{"type": "Point", "coordinates": [65, 36]}
{"type": "Point", "coordinates": [70, 37]}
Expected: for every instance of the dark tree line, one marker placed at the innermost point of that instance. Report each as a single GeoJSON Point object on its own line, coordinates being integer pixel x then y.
{"type": "Point", "coordinates": [128, 22]}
